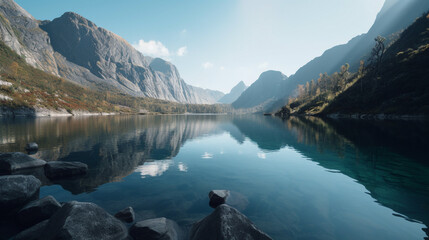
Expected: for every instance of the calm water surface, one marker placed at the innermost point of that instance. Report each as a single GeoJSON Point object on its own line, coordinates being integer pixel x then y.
{"type": "Point", "coordinates": [301, 178]}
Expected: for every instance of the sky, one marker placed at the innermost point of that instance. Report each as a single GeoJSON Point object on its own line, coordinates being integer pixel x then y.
{"type": "Point", "coordinates": [217, 43]}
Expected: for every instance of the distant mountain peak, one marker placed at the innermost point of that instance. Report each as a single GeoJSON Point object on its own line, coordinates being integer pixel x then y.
{"type": "Point", "coordinates": [266, 89]}
{"type": "Point", "coordinates": [235, 93]}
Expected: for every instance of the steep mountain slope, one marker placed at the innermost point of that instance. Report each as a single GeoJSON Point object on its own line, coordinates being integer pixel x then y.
{"type": "Point", "coordinates": [234, 94]}
{"type": "Point", "coordinates": [263, 91]}
{"type": "Point", "coordinates": [76, 49]}
{"type": "Point", "coordinates": [400, 86]}
{"type": "Point", "coordinates": [395, 16]}
{"type": "Point", "coordinates": [28, 91]}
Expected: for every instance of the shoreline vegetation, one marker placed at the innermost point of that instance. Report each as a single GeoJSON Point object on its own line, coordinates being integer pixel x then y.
{"type": "Point", "coordinates": [27, 91]}
{"type": "Point", "coordinates": [391, 85]}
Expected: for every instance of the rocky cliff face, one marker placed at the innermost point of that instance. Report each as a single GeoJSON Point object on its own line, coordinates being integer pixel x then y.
{"type": "Point", "coordinates": [75, 48]}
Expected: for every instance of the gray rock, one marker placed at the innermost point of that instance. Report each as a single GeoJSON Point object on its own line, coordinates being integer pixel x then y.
{"type": "Point", "coordinates": [156, 229]}
{"type": "Point", "coordinates": [218, 197]}
{"type": "Point", "coordinates": [226, 223]}
{"type": "Point", "coordinates": [80, 220]}
{"type": "Point", "coordinates": [75, 48]}
{"type": "Point", "coordinates": [58, 169]}
{"type": "Point", "coordinates": [16, 191]}
{"type": "Point", "coordinates": [15, 161]}
{"type": "Point", "coordinates": [32, 233]}
{"type": "Point", "coordinates": [37, 211]}
{"type": "Point", "coordinates": [126, 215]}
{"type": "Point", "coordinates": [32, 147]}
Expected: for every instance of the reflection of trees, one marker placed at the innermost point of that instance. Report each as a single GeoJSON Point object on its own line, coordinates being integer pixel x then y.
{"type": "Point", "coordinates": [379, 155]}
{"type": "Point", "coordinates": [386, 157]}
{"type": "Point", "coordinates": [316, 132]}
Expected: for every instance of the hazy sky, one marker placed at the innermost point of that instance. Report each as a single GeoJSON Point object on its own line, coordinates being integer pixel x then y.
{"type": "Point", "coordinates": [216, 44]}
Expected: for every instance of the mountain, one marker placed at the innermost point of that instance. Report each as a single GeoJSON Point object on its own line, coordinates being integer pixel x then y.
{"type": "Point", "coordinates": [394, 17]}
{"type": "Point", "coordinates": [28, 91]}
{"type": "Point", "coordinates": [234, 94]}
{"type": "Point", "coordinates": [75, 48]}
{"type": "Point", "coordinates": [263, 91]}
{"type": "Point", "coordinates": [400, 86]}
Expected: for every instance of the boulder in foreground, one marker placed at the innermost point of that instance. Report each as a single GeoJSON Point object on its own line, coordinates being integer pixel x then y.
{"type": "Point", "coordinates": [32, 147]}
{"type": "Point", "coordinates": [16, 191]}
{"type": "Point", "coordinates": [32, 233]}
{"type": "Point", "coordinates": [37, 211]}
{"type": "Point", "coordinates": [80, 220]}
{"type": "Point", "coordinates": [58, 169]}
{"type": "Point", "coordinates": [218, 197]}
{"type": "Point", "coordinates": [15, 161]}
{"type": "Point", "coordinates": [126, 215]}
{"type": "Point", "coordinates": [156, 229]}
{"type": "Point", "coordinates": [226, 223]}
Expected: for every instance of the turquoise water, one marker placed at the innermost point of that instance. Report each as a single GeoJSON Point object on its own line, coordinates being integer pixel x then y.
{"type": "Point", "coordinates": [301, 178]}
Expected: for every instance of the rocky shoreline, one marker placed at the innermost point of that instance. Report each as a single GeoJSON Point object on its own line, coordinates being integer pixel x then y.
{"type": "Point", "coordinates": [285, 113]}
{"type": "Point", "coordinates": [34, 218]}
{"type": "Point", "coordinates": [24, 112]}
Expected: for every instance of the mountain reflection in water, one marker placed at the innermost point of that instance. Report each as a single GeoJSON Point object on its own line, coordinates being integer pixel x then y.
{"type": "Point", "coordinates": [386, 157]}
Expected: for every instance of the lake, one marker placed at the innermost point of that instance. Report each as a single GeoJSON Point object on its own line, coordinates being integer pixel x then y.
{"type": "Point", "coordinates": [299, 178]}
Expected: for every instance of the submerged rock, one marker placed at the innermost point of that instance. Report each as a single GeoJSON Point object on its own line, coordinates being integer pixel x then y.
{"type": "Point", "coordinates": [218, 197]}
{"type": "Point", "coordinates": [32, 147]}
{"type": "Point", "coordinates": [156, 229]}
{"type": "Point", "coordinates": [80, 220]}
{"type": "Point", "coordinates": [126, 215]}
{"type": "Point", "coordinates": [32, 233]}
{"type": "Point", "coordinates": [11, 162]}
{"type": "Point", "coordinates": [16, 191]}
{"type": "Point", "coordinates": [226, 223]}
{"type": "Point", "coordinates": [58, 169]}
{"type": "Point", "coordinates": [37, 211]}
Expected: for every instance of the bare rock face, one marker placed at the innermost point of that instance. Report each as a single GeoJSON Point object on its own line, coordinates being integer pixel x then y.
{"type": "Point", "coordinates": [21, 32]}
{"type": "Point", "coordinates": [226, 223]}
{"type": "Point", "coordinates": [32, 233]}
{"type": "Point", "coordinates": [126, 215]}
{"type": "Point", "coordinates": [156, 229]}
{"type": "Point", "coordinates": [16, 161]}
{"type": "Point", "coordinates": [218, 197]}
{"type": "Point", "coordinates": [75, 48]}
{"type": "Point", "coordinates": [38, 210]}
{"type": "Point", "coordinates": [32, 147]}
{"type": "Point", "coordinates": [16, 191]}
{"type": "Point", "coordinates": [110, 57]}
{"type": "Point", "coordinates": [80, 220]}
{"type": "Point", "coordinates": [58, 169]}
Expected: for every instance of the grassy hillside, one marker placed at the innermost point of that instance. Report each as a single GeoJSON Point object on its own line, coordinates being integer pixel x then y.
{"type": "Point", "coordinates": [399, 84]}
{"type": "Point", "coordinates": [25, 86]}
{"type": "Point", "coordinates": [402, 84]}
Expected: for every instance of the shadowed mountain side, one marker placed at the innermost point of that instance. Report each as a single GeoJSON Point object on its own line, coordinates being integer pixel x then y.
{"type": "Point", "coordinates": [263, 91]}
{"type": "Point", "coordinates": [234, 94]}
{"type": "Point", "coordinates": [395, 16]}
{"type": "Point", "coordinates": [400, 85]}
